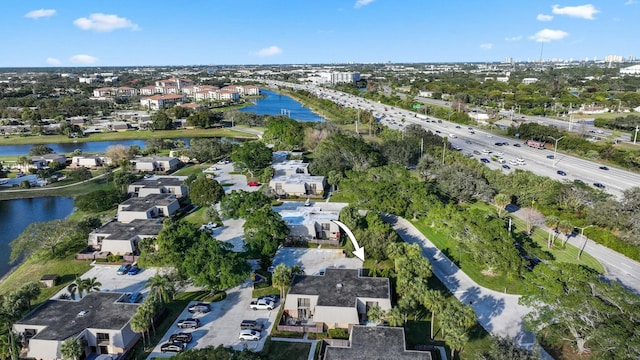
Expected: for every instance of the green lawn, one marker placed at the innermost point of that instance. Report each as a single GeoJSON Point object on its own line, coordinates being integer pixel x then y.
{"type": "Point", "coordinates": [190, 169]}
{"type": "Point", "coordinates": [56, 190]}
{"type": "Point", "coordinates": [281, 350]}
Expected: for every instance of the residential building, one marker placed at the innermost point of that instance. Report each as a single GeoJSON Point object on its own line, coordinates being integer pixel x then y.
{"type": "Point", "coordinates": [374, 343]}
{"type": "Point", "coordinates": [122, 238]}
{"type": "Point", "coordinates": [156, 163]}
{"type": "Point", "coordinates": [338, 299]}
{"type": "Point", "coordinates": [98, 319]}
{"type": "Point", "coordinates": [151, 206]}
{"type": "Point", "coordinates": [528, 81]}
{"type": "Point", "coordinates": [156, 102]}
{"type": "Point", "coordinates": [311, 222]}
{"type": "Point", "coordinates": [43, 161]}
{"type": "Point", "coordinates": [160, 185]}
{"type": "Point", "coordinates": [298, 185]}
{"type": "Point", "coordinates": [88, 161]}
{"type": "Point", "coordinates": [631, 70]}
{"type": "Point", "coordinates": [290, 167]}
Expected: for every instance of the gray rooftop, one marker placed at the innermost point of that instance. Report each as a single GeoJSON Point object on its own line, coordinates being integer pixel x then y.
{"type": "Point", "coordinates": [298, 178]}
{"type": "Point", "coordinates": [340, 287]}
{"type": "Point", "coordinates": [154, 159]}
{"type": "Point", "coordinates": [375, 343]}
{"type": "Point", "coordinates": [121, 231]}
{"type": "Point", "coordinates": [158, 181]}
{"type": "Point", "coordinates": [147, 202]}
{"type": "Point", "coordinates": [62, 320]}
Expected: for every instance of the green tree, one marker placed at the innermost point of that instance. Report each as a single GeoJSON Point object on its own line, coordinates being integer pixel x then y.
{"type": "Point", "coordinates": [49, 235]}
{"type": "Point", "coordinates": [284, 133]}
{"type": "Point", "coordinates": [205, 192]}
{"type": "Point", "coordinates": [552, 223]}
{"type": "Point", "coordinates": [91, 284]}
{"type": "Point", "coordinates": [122, 180]}
{"type": "Point", "coordinates": [240, 203]}
{"type": "Point", "coordinates": [253, 156]}
{"type": "Point", "coordinates": [161, 121]}
{"type": "Point", "coordinates": [435, 302]}
{"type": "Point", "coordinates": [71, 349]}
{"type": "Point", "coordinates": [162, 287]}
{"type": "Point", "coordinates": [506, 349]}
{"type": "Point", "coordinates": [97, 201]}
{"type": "Point", "coordinates": [566, 228]}
{"type": "Point", "coordinates": [10, 345]}
{"type": "Point", "coordinates": [264, 231]}
{"type": "Point", "coordinates": [38, 150]}
{"type": "Point", "coordinates": [282, 276]}
{"type": "Point", "coordinates": [213, 264]}
{"type": "Point", "coordinates": [501, 200]}
{"type": "Point", "coordinates": [456, 338]}
{"type": "Point", "coordinates": [208, 149]}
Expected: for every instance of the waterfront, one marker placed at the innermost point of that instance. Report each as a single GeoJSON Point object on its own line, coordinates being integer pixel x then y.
{"type": "Point", "coordinates": [85, 147]}
{"type": "Point", "coordinates": [274, 104]}
{"type": "Point", "coordinates": [17, 214]}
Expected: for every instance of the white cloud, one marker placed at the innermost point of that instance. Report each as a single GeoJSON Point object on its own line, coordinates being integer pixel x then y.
{"type": "Point", "coordinates": [487, 46]}
{"type": "Point", "coordinates": [269, 51]}
{"type": "Point", "coordinates": [361, 3]}
{"type": "Point", "coordinates": [36, 14]}
{"type": "Point", "coordinates": [548, 35]}
{"type": "Point", "coordinates": [544, 17]}
{"type": "Point", "coordinates": [104, 23]}
{"type": "Point", "coordinates": [83, 59]}
{"type": "Point", "coordinates": [53, 61]}
{"type": "Point", "coordinates": [581, 11]}
{"type": "Point", "coordinates": [513, 38]}
{"type": "Point", "coordinates": [629, 2]}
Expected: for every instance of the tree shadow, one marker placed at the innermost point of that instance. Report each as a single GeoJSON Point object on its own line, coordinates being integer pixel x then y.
{"type": "Point", "coordinates": [485, 306]}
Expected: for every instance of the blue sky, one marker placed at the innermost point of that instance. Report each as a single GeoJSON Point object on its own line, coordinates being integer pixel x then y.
{"type": "Point", "coordinates": [192, 32]}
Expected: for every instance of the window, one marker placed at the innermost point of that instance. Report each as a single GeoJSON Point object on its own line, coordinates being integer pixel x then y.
{"type": "Point", "coordinates": [326, 226]}
{"type": "Point", "coordinates": [371, 304]}
{"type": "Point", "coordinates": [303, 308]}
{"type": "Point", "coordinates": [102, 337]}
{"type": "Point", "coordinates": [313, 188]}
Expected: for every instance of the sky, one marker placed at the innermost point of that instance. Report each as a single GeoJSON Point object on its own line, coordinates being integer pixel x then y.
{"type": "Point", "coordinates": [76, 33]}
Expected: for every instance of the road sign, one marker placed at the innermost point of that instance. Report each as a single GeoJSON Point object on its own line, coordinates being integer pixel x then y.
{"type": "Point", "coordinates": [417, 106]}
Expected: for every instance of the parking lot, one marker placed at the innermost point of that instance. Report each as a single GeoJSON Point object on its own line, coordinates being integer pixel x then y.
{"type": "Point", "coordinates": [221, 326]}
{"type": "Point", "coordinates": [313, 261]}
{"type": "Point", "coordinates": [106, 275]}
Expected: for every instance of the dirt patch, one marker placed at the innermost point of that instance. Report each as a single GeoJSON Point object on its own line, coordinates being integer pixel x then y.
{"type": "Point", "coordinates": [488, 273]}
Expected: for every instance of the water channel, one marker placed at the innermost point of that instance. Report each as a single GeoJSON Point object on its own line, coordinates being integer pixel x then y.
{"type": "Point", "coordinates": [277, 104]}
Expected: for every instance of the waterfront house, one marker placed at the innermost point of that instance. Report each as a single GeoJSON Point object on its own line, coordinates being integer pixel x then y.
{"type": "Point", "coordinates": [151, 206]}
{"type": "Point", "coordinates": [122, 238]}
{"type": "Point", "coordinates": [159, 185]}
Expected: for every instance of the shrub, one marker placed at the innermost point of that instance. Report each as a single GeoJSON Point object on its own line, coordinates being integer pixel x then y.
{"type": "Point", "coordinates": [338, 333]}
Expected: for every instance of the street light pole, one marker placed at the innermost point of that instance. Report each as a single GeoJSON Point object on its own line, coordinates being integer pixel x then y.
{"type": "Point", "coordinates": [555, 149]}
{"type": "Point", "coordinates": [584, 244]}
{"type": "Point", "coordinates": [635, 137]}
{"type": "Point", "coordinates": [444, 148]}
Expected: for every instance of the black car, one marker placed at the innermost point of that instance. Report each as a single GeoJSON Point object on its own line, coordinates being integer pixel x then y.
{"type": "Point", "coordinates": [181, 337]}
{"type": "Point", "coordinates": [498, 144]}
{"type": "Point", "coordinates": [189, 323]}
{"type": "Point", "coordinates": [457, 126]}
{"type": "Point", "coordinates": [173, 347]}
{"type": "Point", "coordinates": [599, 185]}
{"type": "Point", "coordinates": [550, 156]}
{"type": "Point", "coordinates": [561, 173]}
{"type": "Point", "coordinates": [603, 168]}
{"type": "Point", "coordinates": [485, 160]}
{"type": "Point", "coordinates": [437, 131]}
{"type": "Point", "coordinates": [505, 166]}
{"type": "Point", "coordinates": [251, 325]}
{"type": "Point", "coordinates": [516, 145]}
{"type": "Point", "coordinates": [199, 308]}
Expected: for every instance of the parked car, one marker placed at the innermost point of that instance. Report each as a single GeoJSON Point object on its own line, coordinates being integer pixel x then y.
{"type": "Point", "coordinates": [189, 323]}
{"type": "Point", "coordinates": [251, 325]}
{"type": "Point", "coordinates": [603, 168]}
{"type": "Point", "coordinates": [123, 269]}
{"type": "Point", "coordinates": [550, 157]}
{"type": "Point", "coordinates": [561, 173]}
{"type": "Point", "coordinates": [173, 347]}
{"type": "Point", "coordinates": [262, 305]}
{"type": "Point", "coordinates": [251, 335]}
{"type": "Point", "coordinates": [135, 297]}
{"type": "Point", "coordinates": [516, 145]}
{"type": "Point", "coordinates": [133, 270]}
{"type": "Point", "coordinates": [272, 298]}
{"type": "Point", "coordinates": [599, 185]}
{"type": "Point", "coordinates": [485, 160]}
{"type": "Point", "coordinates": [253, 183]}
{"type": "Point", "coordinates": [181, 337]}
{"type": "Point", "coordinates": [476, 152]}
{"type": "Point", "coordinates": [498, 144]}
{"type": "Point", "coordinates": [505, 166]}
{"type": "Point", "coordinates": [199, 308]}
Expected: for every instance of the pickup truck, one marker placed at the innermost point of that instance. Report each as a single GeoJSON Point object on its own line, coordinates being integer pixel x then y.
{"type": "Point", "coordinates": [262, 304]}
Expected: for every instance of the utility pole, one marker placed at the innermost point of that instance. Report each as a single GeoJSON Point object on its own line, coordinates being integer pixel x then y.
{"type": "Point", "coordinates": [444, 148]}
{"type": "Point", "coordinates": [555, 149]}
{"type": "Point", "coordinates": [584, 244]}
{"type": "Point", "coordinates": [357, 121]}
{"type": "Point", "coordinates": [421, 147]}
{"type": "Point", "coordinates": [635, 137]}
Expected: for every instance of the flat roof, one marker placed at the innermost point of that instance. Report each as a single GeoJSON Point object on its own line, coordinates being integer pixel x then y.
{"type": "Point", "coordinates": [298, 179]}
{"type": "Point", "coordinates": [375, 343]}
{"type": "Point", "coordinates": [158, 181]}
{"type": "Point", "coordinates": [149, 201]}
{"type": "Point", "coordinates": [121, 231]}
{"type": "Point", "coordinates": [62, 319]}
{"type": "Point", "coordinates": [340, 287]}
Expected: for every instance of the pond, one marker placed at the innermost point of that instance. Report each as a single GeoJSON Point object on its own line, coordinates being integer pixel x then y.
{"type": "Point", "coordinates": [277, 104]}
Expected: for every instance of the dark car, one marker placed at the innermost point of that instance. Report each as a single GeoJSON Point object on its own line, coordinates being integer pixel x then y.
{"type": "Point", "coordinates": [437, 131]}
{"type": "Point", "coordinates": [134, 270]}
{"type": "Point", "coordinates": [498, 144]}
{"type": "Point", "coordinates": [505, 166]}
{"type": "Point", "coordinates": [516, 145]}
{"type": "Point", "coordinates": [603, 168]}
{"type": "Point", "coordinates": [599, 185]}
{"type": "Point", "coordinates": [272, 298]}
{"type": "Point", "coordinates": [550, 156]}
{"type": "Point", "coordinates": [457, 126]}
{"type": "Point", "coordinates": [561, 173]}
{"type": "Point", "coordinates": [123, 269]}
{"type": "Point", "coordinates": [189, 323]}
{"type": "Point", "coordinates": [251, 325]}
{"type": "Point", "coordinates": [476, 152]}
{"type": "Point", "coordinates": [173, 347]}
{"type": "Point", "coordinates": [181, 337]}
{"type": "Point", "coordinates": [199, 308]}
{"type": "Point", "coordinates": [485, 160]}
{"type": "Point", "coordinates": [505, 143]}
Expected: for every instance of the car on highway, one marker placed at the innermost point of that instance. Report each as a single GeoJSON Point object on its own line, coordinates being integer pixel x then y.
{"type": "Point", "coordinates": [506, 167]}
{"type": "Point", "coordinates": [253, 183]}
{"type": "Point", "coordinates": [199, 308]}
{"type": "Point", "coordinates": [516, 145]}
{"type": "Point", "coordinates": [437, 131]}
{"type": "Point", "coordinates": [251, 335]}
{"type": "Point", "coordinates": [603, 168]}
{"type": "Point", "coordinates": [561, 173]}
{"type": "Point", "coordinates": [189, 323]}
{"type": "Point", "coordinates": [457, 126]}
{"type": "Point", "coordinates": [498, 144]}
{"type": "Point", "coordinates": [550, 157]}
{"type": "Point", "coordinates": [173, 347]}
{"type": "Point", "coordinates": [599, 185]}
{"type": "Point", "coordinates": [123, 269]}
{"type": "Point", "coordinates": [133, 270]}
{"type": "Point", "coordinates": [485, 160]}
{"type": "Point", "coordinates": [181, 337]}
{"type": "Point", "coordinates": [476, 152]}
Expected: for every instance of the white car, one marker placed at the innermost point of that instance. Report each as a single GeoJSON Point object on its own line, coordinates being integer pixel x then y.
{"type": "Point", "coordinates": [251, 335]}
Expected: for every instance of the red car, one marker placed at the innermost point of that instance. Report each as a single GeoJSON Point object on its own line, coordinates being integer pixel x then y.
{"type": "Point", "coordinates": [253, 183]}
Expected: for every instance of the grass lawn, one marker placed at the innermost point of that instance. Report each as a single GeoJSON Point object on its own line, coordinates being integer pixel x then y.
{"type": "Point", "coordinates": [197, 217]}
{"type": "Point", "coordinates": [280, 350]}
{"type": "Point", "coordinates": [56, 190]}
{"type": "Point", "coordinates": [190, 169]}
{"type": "Point", "coordinates": [31, 270]}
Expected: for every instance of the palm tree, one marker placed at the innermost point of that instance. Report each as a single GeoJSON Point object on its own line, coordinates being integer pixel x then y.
{"type": "Point", "coordinates": [501, 200]}
{"type": "Point", "coordinates": [71, 349]}
{"type": "Point", "coordinates": [456, 338]}
{"type": "Point", "coordinates": [552, 223]}
{"type": "Point", "coordinates": [434, 301]}
{"type": "Point", "coordinates": [375, 315]}
{"type": "Point", "coordinates": [139, 325]}
{"type": "Point", "coordinates": [76, 286]}
{"type": "Point", "coordinates": [566, 228]}
{"type": "Point", "coordinates": [282, 276]}
{"type": "Point", "coordinates": [9, 345]}
{"type": "Point", "coordinates": [394, 317]}
{"type": "Point", "coordinates": [92, 284]}
{"type": "Point", "coordinates": [162, 287]}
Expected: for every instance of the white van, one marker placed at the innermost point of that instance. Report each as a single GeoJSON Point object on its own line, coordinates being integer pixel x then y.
{"type": "Point", "coordinates": [502, 161]}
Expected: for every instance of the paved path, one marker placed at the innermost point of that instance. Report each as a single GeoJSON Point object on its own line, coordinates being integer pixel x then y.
{"type": "Point", "coordinates": [499, 313]}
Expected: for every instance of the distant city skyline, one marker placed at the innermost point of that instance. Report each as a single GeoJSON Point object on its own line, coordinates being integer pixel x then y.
{"type": "Point", "coordinates": [81, 33]}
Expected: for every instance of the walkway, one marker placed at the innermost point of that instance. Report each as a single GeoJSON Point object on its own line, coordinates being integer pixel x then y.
{"type": "Point", "coordinates": [314, 343]}
{"type": "Point", "coordinates": [498, 313]}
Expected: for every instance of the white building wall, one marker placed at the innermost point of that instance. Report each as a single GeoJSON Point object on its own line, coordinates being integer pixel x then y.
{"type": "Point", "coordinates": [334, 316]}
{"type": "Point", "coordinates": [118, 247]}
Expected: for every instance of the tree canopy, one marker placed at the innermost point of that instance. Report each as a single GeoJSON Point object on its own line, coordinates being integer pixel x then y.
{"type": "Point", "coordinates": [204, 191]}
{"type": "Point", "coordinates": [253, 156]}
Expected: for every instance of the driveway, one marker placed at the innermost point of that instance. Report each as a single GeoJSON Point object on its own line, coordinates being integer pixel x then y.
{"type": "Point", "coordinates": [106, 275]}
{"type": "Point", "coordinates": [237, 181]}
{"type": "Point", "coordinates": [221, 326]}
{"type": "Point", "coordinates": [499, 313]}
{"type": "Point", "coordinates": [231, 231]}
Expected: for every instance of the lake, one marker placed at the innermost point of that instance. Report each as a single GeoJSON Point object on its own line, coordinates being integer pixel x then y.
{"type": "Point", "coordinates": [17, 214]}
{"type": "Point", "coordinates": [277, 104]}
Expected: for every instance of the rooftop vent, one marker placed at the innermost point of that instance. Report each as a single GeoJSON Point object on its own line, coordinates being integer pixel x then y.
{"type": "Point", "coordinates": [338, 286]}
{"type": "Point", "coordinates": [83, 313]}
